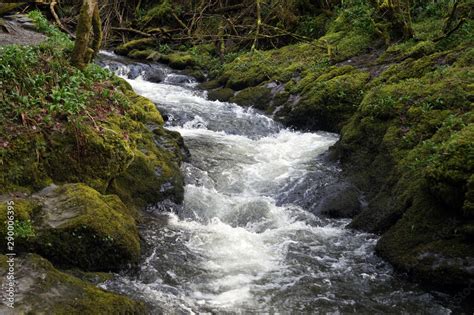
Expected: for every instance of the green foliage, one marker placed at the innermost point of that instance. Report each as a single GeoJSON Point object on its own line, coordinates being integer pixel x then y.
{"type": "Point", "coordinates": [24, 229]}
{"type": "Point", "coordinates": [55, 36]}
{"type": "Point", "coordinates": [160, 13]}
{"type": "Point", "coordinates": [355, 14]}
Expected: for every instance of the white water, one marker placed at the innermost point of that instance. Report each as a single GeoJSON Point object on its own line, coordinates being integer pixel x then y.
{"type": "Point", "coordinates": [235, 247]}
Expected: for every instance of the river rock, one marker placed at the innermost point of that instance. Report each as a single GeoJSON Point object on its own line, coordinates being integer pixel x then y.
{"type": "Point", "coordinates": [222, 94]}
{"type": "Point", "coordinates": [340, 200]}
{"type": "Point", "coordinates": [75, 226]}
{"type": "Point", "coordinates": [40, 288]}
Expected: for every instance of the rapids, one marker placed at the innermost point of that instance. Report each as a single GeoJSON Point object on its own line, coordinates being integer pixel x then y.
{"type": "Point", "coordinates": [244, 240]}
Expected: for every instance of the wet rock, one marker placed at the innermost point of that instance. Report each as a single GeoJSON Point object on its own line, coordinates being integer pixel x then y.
{"type": "Point", "coordinates": [258, 97]}
{"type": "Point", "coordinates": [340, 200]}
{"type": "Point", "coordinates": [209, 85]}
{"type": "Point", "coordinates": [75, 226]}
{"type": "Point", "coordinates": [222, 94]}
{"type": "Point", "coordinates": [42, 288]}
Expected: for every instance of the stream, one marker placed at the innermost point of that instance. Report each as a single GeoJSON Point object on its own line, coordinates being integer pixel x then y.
{"type": "Point", "coordinates": [245, 240]}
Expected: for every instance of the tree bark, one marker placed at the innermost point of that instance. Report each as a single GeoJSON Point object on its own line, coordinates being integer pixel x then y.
{"type": "Point", "coordinates": [258, 24]}
{"type": "Point", "coordinates": [85, 47]}
{"type": "Point", "coordinates": [397, 14]}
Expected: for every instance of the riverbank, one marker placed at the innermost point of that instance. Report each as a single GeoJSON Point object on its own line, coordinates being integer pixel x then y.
{"type": "Point", "coordinates": [81, 157]}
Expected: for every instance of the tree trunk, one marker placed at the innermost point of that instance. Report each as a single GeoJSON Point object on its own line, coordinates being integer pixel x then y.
{"type": "Point", "coordinates": [397, 14]}
{"type": "Point", "coordinates": [89, 23]}
{"type": "Point", "coordinates": [258, 24]}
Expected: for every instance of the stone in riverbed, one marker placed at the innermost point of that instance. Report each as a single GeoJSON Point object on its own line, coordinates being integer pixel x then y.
{"type": "Point", "coordinates": [340, 200]}
{"type": "Point", "coordinates": [42, 288]}
{"type": "Point", "coordinates": [222, 94]}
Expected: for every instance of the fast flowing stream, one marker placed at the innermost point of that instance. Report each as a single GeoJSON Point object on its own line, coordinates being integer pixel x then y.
{"type": "Point", "coordinates": [244, 240]}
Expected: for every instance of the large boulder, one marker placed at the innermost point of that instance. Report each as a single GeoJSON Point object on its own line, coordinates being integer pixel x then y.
{"type": "Point", "coordinates": [42, 289]}
{"type": "Point", "coordinates": [74, 225]}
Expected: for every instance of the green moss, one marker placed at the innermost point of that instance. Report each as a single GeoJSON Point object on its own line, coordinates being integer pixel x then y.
{"type": "Point", "coordinates": [42, 287]}
{"type": "Point", "coordinates": [258, 96]}
{"type": "Point", "coordinates": [407, 146]}
{"type": "Point", "coordinates": [449, 167]}
{"type": "Point", "coordinates": [78, 226]}
{"type": "Point", "coordinates": [427, 242]}
{"type": "Point", "coordinates": [222, 94]}
{"type": "Point", "coordinates": [143, 110]}
{"type": "Point", "coordinates": [179, 60]}
{"type": "Point", "coordinates": [160, 13]}
{"type": "Point", "coordinates": [329, 99]}
{"type": "Point", "coordinates": [408, 49]}
{"type": "Point", "coordinates": [95, 158]}
{"type": "Point", "coordinates": [154, 174]}
{"type": "Point", "coordinates": [137, 44]}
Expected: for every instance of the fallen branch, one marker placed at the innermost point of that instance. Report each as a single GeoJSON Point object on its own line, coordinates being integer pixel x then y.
{"type": "Point", "coordinates": [58, 21]}
{"type": "Point", "coordinates": [131, 30]}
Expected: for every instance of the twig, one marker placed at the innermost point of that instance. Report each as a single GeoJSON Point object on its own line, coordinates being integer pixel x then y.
{"type": "Point", "coordinates": [130, 30]}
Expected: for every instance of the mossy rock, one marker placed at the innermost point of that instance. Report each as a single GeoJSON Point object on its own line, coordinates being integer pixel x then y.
{"type": "Point", "coordinates": [327, 100]}
{"type": "Point", "coordinates": [143, 110]}
{"type": "Point", "coordinates": [154, 174]}
{"type": "Point", "coordinates": [44, 289]}
{"type": "Point", "coordinates": [74, 225]}
{"type": "Point", "coordinates": [259, 97]}
{"type": "Point", "coordinates": [430, 244]}
{"type": "Point", "coordinates": [222, 94]}
{"type": "Point", "coordinates": [450, 169]}
{"type": "Point", "coordinates": [137, 44]}
{"type": "Point", "coordinates": [95, 160]}
{"type": "Point", "coordinates": [80, 227]}
{"type": "Point", "coordinates": [179, 61]}
{"type": "Point", "coordinates": [407, 148]}
{"type": "Point", "coordinates": [210, 85]}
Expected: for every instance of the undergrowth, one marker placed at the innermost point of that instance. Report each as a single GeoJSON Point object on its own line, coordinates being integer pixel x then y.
{"type": "Point", "coordinates": [40, 90]}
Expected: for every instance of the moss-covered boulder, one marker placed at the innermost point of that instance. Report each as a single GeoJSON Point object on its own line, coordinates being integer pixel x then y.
{"type": "Point", "coordinates": [326, 99]}
{"type": "Point", "coordinates": [154, 174]}
{"type": "Point", "coordinates": [95, 159]}
{"type": "Point", "coordinates": [221, 94]}
{"type": "Point", "coordinates": [259, 97]}
{"type": "Point", "coordinates": [41, 288]}
{"type": "Point", "coordinates": [137, 44]}
{"type": "Point", "coordinates": [431, 244]}
{"type": "Point", "coordinates": [74, 225]}
{"type": "Point", "coordinates": [408, 147]}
